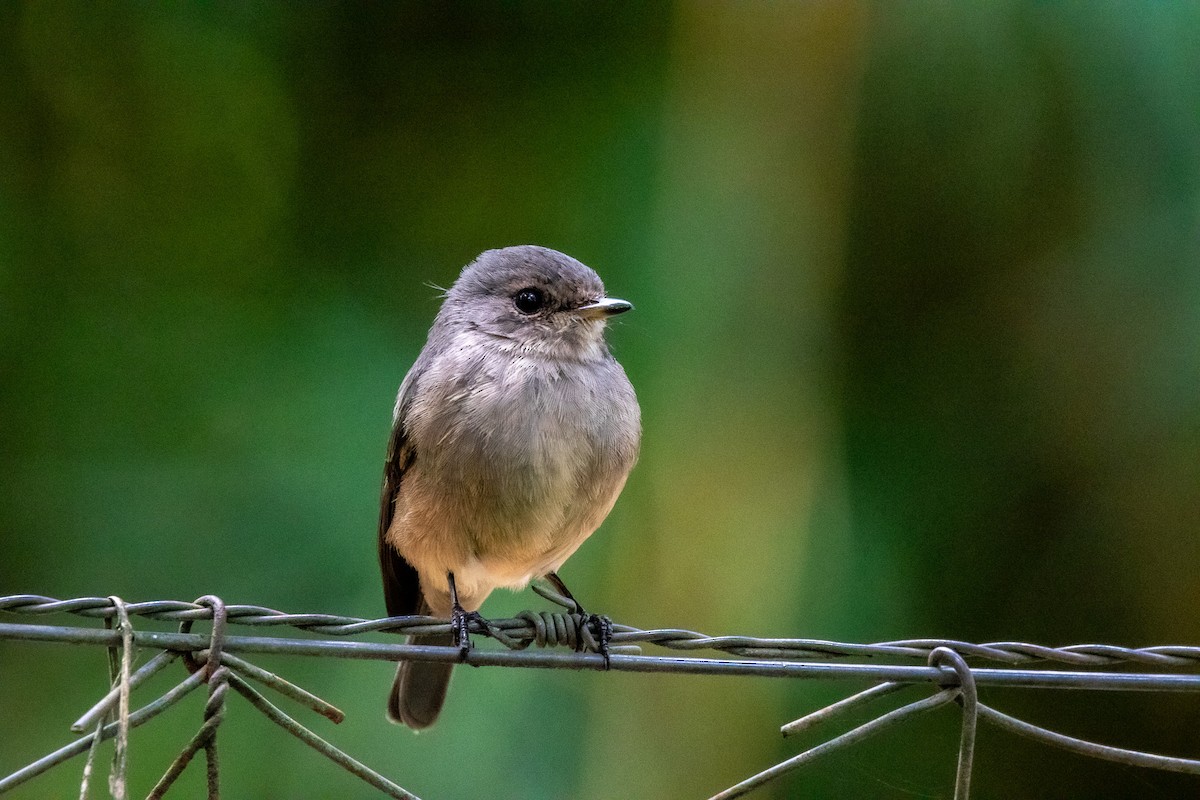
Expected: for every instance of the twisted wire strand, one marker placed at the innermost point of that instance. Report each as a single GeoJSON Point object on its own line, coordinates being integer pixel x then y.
{"type": "Point", "coordinates": [557, 629]}
{"type": "Point", "coordinates": [208, 663]}
{"type": "Point", "coordinates": [204, 739]}
{"type": "Point", "coordinates": [89, 764]}
{"type": "Point", "coordinates": [968, 698]}
{"type": "Point", "coordinates": [120, 667]}
{"type": "Point", "coordinates": [117, 781]}
{"type": "Point", "coordinates": [964, 692]}
{"type": "Point", "coordinates": [216, 675]}
{"type": "Point", "coordinates": [103, 731]}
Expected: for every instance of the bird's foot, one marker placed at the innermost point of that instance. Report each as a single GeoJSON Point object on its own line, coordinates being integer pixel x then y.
{"type": "Point", "coordinates": [603, 634]}
{"type": "Point", "coordinates": [460, 624]}
{"type": "Point", "coordinates": [603, 625]}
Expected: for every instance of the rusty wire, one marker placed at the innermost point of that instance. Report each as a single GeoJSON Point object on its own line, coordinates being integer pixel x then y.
{"type": "Point", "coordinates": [211, 660]}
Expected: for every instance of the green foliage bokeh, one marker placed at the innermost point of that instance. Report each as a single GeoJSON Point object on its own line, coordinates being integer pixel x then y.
{"type": "Point", "coordinates": [917, 342]}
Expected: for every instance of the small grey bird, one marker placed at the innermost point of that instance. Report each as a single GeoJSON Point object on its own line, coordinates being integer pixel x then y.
{"type": "Point", "coordinates": [512, 436]}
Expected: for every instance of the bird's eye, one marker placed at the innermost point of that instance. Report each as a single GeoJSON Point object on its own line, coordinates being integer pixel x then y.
{"type": "Point", "coordinates": [529, 301]}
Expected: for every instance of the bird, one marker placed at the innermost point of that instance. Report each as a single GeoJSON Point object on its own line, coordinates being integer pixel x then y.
{"type": "Point", "coordinates": [513, 434]}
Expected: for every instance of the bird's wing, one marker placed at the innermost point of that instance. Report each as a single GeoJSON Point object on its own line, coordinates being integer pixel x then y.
{"type": "Point", "coordinates": [401, 585]}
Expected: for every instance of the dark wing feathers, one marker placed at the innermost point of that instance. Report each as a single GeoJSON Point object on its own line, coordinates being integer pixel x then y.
{"type": "Point", "coordinates": [401, 585]}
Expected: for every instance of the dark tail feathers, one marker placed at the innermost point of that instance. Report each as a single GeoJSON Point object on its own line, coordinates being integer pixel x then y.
{"type": "Point", "coordinates": [420, 687]}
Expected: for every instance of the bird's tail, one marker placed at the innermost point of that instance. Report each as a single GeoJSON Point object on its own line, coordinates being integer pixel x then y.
{"type": "Point", "coordinates": [420, 687]}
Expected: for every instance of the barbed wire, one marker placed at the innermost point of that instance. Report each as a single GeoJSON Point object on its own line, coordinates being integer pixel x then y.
{"type": "Point", "coordinates": [524, 630]}
{"type": "Point", "coordinates": [210, 660]}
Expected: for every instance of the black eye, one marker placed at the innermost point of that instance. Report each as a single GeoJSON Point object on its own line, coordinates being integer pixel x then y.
{"type": "Point", "coordinates": [529, 301]}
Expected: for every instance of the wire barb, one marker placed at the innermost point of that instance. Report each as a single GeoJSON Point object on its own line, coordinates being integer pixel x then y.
{"type": "Point", "coordinates": [1010, 653]}
{"type": "Point", "coordinates": [958, 686]}
{"type": "Point", "coordinates": [211, 659]}
{"type": "Point", "coordinates": [207, 663]}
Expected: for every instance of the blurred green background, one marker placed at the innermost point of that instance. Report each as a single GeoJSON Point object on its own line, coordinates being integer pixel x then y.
{"type": "Point", "coordinates": [917, 342]}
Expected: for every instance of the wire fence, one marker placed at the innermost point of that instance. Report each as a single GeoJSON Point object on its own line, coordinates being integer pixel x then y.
{"type": "Point", "coordinates": [210, 660]}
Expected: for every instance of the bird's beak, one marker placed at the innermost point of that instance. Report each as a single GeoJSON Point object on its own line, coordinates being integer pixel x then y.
{"type": "Point", "coordinates": [604, 307]}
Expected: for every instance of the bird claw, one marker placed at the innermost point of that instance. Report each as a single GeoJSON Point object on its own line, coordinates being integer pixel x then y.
{"type": "Point", "coordinates": [460, 624]}
{"type": "Point", "coordinates": [604, 631]}
{"type": "Point", "coordinates": [603, 625]}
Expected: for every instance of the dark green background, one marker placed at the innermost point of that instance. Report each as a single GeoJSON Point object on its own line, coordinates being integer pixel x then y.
{"type": "Point", "coordinates": [917, 343]}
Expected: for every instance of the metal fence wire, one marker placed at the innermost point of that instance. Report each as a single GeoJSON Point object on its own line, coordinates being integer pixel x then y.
{"type": "Point", "coordinates": [216, 660]}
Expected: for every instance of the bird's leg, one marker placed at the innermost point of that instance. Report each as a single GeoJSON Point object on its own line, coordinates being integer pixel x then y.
{"type": "Point", "coordinates": [460, 619]}
{"type": "Point", "coordinates": [604, 626]}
